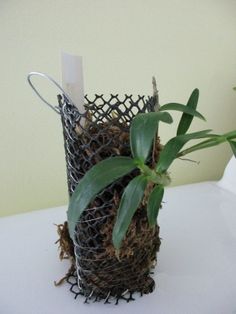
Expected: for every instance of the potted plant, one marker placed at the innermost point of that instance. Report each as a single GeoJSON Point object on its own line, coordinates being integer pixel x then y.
{"type": "Point", "coordinates": [111, 234]}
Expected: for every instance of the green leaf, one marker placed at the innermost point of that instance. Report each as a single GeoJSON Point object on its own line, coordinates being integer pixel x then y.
{"type": "Point", "coordinates": [173, 146]}
{"type": "Point", "coordinates": [233, 146]}
{"type": "Point", "coordinates": [230, 135]}
{"type": "Point", "coordinates": [186, 119]}
{"type": "Point", "coordinates": [94, 181]}
{"type": "Point", "coordinates": [182, 108]}
{"type": "Point", "coordinates": [154, 204]}
{"type": "Point", "coordinates": [213, 140]}
{"type": "Point", "coordinates": [143, 129]}
{"type": "Point", "coordinates": [129, 203]}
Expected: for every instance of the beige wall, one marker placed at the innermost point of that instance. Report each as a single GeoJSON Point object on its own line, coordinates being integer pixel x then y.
{"type": "Point", "coordinates": [185, 43]}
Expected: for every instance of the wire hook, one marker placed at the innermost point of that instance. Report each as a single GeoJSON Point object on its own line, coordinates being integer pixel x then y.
{"type": "Point", "coordinates": [55, 108]}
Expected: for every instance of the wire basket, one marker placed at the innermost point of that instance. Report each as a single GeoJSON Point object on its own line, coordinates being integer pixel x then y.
{"type": "Point", "coordinates": [100, 132]}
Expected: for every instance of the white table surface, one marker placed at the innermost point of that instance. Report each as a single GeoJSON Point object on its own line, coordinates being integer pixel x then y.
{"type": "Point", "coordinates": [196, 271]}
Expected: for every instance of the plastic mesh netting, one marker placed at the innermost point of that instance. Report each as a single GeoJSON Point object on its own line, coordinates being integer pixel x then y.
{"type": "Point", "coordinates": [103, 131]}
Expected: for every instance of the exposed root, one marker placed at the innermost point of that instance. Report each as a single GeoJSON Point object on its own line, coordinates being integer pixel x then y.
{"type": "Point", "coordinates": [66, 245]}
{"type": "Point", "coordinates": [68, 274]}
{"type": "Point", "coordinates": [66, 248]}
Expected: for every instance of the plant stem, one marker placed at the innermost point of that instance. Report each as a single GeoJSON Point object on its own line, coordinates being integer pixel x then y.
{"type": "Point", "coordinates": [156, 108]}
{"type": "Point", "coordinates": [155, 177]}
{"type": "Point", "coordinates": [155, 94]}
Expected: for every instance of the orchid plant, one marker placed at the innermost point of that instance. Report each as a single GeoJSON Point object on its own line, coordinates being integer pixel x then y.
{"type": "Point", "coordinates": [143, 131]}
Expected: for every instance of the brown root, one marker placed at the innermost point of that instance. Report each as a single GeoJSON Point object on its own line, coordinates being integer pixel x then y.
{"type": "Point", "coordinates": [66, 248]}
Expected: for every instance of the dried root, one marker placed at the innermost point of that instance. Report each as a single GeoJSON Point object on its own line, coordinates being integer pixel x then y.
{"type": "Point", "coordinates": [66, 248]}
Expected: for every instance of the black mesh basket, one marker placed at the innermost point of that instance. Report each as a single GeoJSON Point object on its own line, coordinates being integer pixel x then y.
{"type": "Point", "coordinates": [103, 131]}
{"type": "Point", "coordinates": [100, 132]}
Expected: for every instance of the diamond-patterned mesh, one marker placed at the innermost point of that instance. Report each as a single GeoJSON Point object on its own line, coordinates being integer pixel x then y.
{"type": "Point", "coordinates": [103, 131]}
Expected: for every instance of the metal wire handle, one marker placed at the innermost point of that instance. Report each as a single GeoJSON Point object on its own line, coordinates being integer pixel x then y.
{"type": "Point", "coordinates": [55, 108]}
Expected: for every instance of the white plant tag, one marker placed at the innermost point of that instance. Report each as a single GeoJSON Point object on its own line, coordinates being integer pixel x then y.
{"type": "Point", "coordinates": [72, 79]}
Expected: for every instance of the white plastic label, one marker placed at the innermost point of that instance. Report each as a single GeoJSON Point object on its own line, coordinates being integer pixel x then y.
{"type": "Point", "coordinates": [72, 79]}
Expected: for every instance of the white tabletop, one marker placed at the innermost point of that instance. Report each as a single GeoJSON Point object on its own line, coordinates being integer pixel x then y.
{"type": "Point", "coordinates": [196, 272]}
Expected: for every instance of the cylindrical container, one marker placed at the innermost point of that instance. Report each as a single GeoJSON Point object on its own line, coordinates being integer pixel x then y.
{"type": "Point", "coordinates": [103, 131]}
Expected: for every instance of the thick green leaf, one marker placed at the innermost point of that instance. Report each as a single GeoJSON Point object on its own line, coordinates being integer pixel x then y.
{"type": "Point", "coordinates": [94, 181]}
{"type": "Point", "coordinates": [129, 203]}
{"type": "Point", "coordinates": [154, 204]}
{"type": "Point", "coordinates": [173, 146]}
{"type": "Point", "coordinates": [230, 135]}
{"type": "Point", "coordinates": [186, 118]}
{"type": "Point", "coordinates": [233, 146]}
{"type": "Point", "coordinates": [182, 108]}
{"type": "Point", "coordinates": [143, 129]}
{"type": "Point", "coordinates": [212, 141]}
